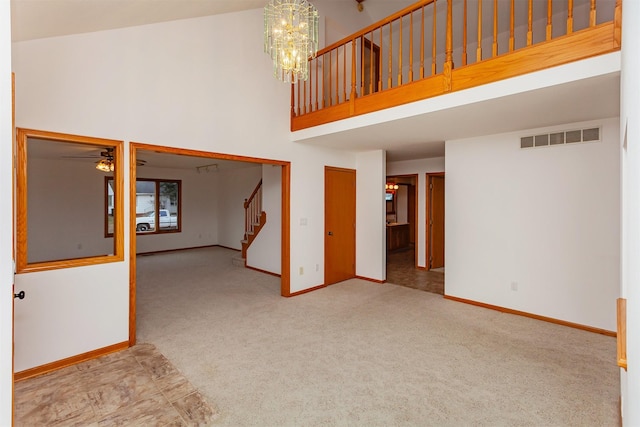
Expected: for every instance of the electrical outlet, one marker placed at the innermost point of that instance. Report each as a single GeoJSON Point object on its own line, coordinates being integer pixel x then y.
{"type": "Point", "coordinates": [514, 286]}
{"type": "Point", "coordinates": [301, 271]}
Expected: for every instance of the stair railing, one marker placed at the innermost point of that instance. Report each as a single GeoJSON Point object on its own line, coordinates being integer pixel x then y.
{"type": "Point", "coordinates": [252, 210]}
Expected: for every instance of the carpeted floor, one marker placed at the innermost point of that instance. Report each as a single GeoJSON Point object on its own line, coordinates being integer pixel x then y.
{"type": "Point", "coordinates": [364, 354]}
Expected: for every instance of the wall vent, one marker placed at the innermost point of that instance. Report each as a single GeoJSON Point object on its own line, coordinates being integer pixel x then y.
{"type": "Point", "coordinates": [561, 138]}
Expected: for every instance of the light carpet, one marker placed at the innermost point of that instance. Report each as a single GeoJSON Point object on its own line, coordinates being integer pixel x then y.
{"type": "Point", "coordinates": [364, 354]}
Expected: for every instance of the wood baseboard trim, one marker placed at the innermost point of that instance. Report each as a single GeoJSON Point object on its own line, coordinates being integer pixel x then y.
{"type": "Point", "coordinates": [59, 364]}
{"type": "Point", "coordinates": [259, 270]}
{"type": "Point", "coordinates": [184, 249]}
{"type": "Point", "coordinates": [533, 316]}
{"type": "Point", "coordinates": [368, 279]}
{"type": "Point", "coordinates": [304, 291]}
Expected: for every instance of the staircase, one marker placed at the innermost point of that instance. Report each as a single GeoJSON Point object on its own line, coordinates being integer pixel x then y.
{"type": "Point", "coordinates": [254, 219]}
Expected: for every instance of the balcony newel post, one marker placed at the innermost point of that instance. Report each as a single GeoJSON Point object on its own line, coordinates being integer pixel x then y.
{"type": "Point", "coordinates": [448, 63]}
{"type": "Point", "coordinates": [617, 24]}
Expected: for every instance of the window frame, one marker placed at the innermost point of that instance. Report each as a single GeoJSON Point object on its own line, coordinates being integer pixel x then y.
{"type": "Point", "coordinates": [22, 263]}
{"type": "Point", "coordinates": [156, 209]}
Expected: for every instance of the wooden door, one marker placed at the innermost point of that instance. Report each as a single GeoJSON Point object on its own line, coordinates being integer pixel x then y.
{"type": "Point", "coordinates": [339, 224]}
{"type": "Point", "coordinates": [436, 223]}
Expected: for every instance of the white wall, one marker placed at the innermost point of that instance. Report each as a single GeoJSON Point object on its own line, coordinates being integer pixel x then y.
{"type": "Point", "coordinates": [170, 84]}
{"type": "Point", "coordinates": [199, 210]}
{"type": "Point", "coordinates": [370, 215]}
{"type": "Point", "coordinates": [64, 315]}
{"type": "Point", "coordinates": [420, 167]}
{"type": "Point", "coordinates": [236, 185]}
{"type": "Point", "coordinates": [546, 218]}
{"type": "Point", "coordinates": [265, 251]}
{"type": "Point", "coordinates": [6, 217]}
{"type": "Point", "coordinates": [66, 210]}
{"type": "Point", "coordinates": [630, 158]}
{"type": "Point", "coordinates": [402, 204]}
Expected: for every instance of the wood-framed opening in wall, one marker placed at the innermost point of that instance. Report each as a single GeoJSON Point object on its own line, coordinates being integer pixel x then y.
{"type": "Point", "coordinates": [56, 209]}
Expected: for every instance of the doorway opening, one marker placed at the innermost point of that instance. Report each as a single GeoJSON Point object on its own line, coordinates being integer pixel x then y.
{"type": "Point", "coordinates": [140, 156]}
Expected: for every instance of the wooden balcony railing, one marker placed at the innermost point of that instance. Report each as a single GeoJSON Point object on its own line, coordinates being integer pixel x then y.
{"type": "Point", "coordinates": [438, 46]}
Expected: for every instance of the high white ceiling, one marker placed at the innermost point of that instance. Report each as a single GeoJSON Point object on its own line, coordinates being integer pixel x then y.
{"type": "Point", "coordinates": [410, 138]}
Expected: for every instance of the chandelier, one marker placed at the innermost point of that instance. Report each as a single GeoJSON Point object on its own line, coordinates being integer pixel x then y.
{"type": "Point", "coordinates": [290, 37]}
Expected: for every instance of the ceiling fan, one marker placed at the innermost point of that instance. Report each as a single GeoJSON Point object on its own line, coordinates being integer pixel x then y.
{"type": "Point", "coordinates": [105, 157]}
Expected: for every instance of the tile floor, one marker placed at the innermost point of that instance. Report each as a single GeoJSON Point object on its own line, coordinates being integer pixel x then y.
{"type": "Point", "coordinates": [401, 271]}
{"type": "Point", "coordinates": [134, 387]}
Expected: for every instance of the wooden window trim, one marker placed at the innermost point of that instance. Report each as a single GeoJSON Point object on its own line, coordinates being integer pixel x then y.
{"type": "Point", "coordinates": [22, 264]}
{"type": "Point", "coordinates": [157, 207]}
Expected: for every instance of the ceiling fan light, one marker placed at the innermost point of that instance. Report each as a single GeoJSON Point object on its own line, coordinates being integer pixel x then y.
{"type": "Point", "coordinates": [105, 165]}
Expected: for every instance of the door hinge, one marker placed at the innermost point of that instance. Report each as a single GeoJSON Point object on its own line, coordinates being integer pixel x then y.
{"type": "Point", "coordinates": [430, 186]}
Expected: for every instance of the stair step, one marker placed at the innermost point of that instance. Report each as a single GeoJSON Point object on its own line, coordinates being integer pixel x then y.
{"type": "Point", "coordinates": [238, 261]}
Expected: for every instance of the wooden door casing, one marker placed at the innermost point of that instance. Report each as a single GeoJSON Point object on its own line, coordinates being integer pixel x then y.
{"type": "Point", "coordinates": [340, 221]}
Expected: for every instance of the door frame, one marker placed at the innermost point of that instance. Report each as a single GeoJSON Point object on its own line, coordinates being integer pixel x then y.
{"type": "Point", "coordinates": [429, 175]}
{"type": "Point", "coordinates": [415, 182]}
{"type": "Point", "coordinates": [285, 262]}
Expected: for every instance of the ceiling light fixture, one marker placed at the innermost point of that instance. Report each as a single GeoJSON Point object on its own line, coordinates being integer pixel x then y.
{"type": "Point", "coordinates": [360, 7]}
{"type": "Point", "coordinates": [391, 186]}
{"type": "Point", "coordinates": [290, 37]}
{"type": "Point", "coordinates": [106, 165]}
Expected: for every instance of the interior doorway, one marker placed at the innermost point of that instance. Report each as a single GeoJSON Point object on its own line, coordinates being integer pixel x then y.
{"type": "Point", "coordinates": [401, 197]}
{"type": "Point", "coordinates": [137, 148]}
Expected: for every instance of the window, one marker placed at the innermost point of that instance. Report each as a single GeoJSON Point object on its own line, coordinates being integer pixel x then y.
{"type": "Point", "coordinates": [158, 206]}
{"type": "Point", "coordinates": [59, 203]}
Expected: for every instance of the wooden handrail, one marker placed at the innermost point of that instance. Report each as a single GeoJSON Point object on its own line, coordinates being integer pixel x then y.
{"type": "Point", "coordinates": [253, 194]}
{"type": "Point", "coordinates": [376, 25]}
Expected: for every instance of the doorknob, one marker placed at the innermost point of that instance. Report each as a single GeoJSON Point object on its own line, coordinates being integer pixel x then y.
{"type": "Point", "coordinates": [330, 233]}
{"type": "Point", "coordinates": [19, 295]}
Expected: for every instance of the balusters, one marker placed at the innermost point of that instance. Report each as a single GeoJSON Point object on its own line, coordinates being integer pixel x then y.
{"type": "Point", "coordinates": [511, 26]}
{"type": "Point", "coordinates": [390, 78]}
{"type": "Point", "coordinates": [379, 64]}
{"type": "Point", "coordinates": [495, 29]}
{"type": "Point", "coordinates": [411, 47]}
{"type": "Point", "coordinates": [382, 57]}
{"type": "Point", "coordinates": [344, 73]}
{"type": "Point", "coordinates": [400, 55]}
{"type": "Point", "coordinates": [353, 71]}
{"type": "Point", "coordinates": [479, 49]}
{"type": "Point", "coordinates": [530, 24]}
{"type": "Point", "coordinates": [549, 18]}
{"type": "Point", "coordinates": [330, 72]}
{"type": "Point", "coordinates": [434, 46]}
{"type": "Point", "coordinates": [324, 86]}
{"type": "Point", "coordinates": [570, 17]}
{"type": "Point", "coordinates": [372, 63]}
{"type": "Point", "coordinates": [362, 49]}
{"type": "Point", "coordinates": [464, 33]}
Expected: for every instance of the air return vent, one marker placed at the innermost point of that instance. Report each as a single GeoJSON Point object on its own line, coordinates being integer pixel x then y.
{"type": "Point", "coordinates": [561, 138]}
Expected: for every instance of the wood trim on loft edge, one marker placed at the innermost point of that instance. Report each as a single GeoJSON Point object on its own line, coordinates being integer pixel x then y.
{"type": "Point", "coordinates": [73, 360]}
{"type": "Point", "coordinates": [533, 316]}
